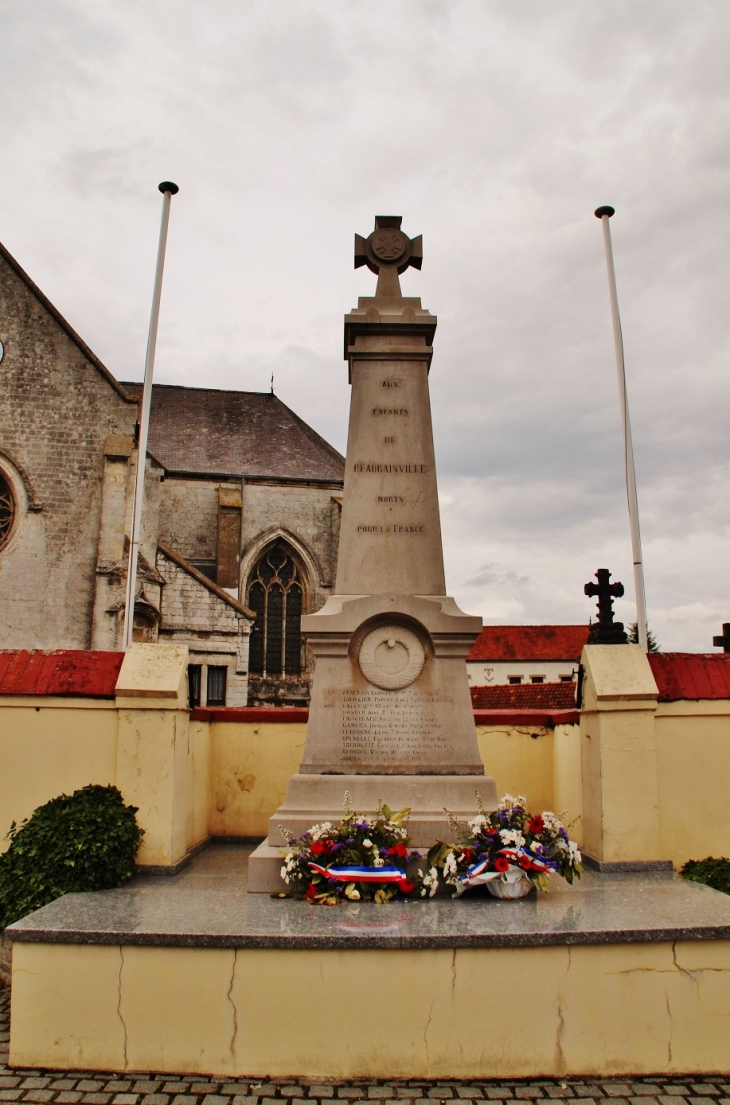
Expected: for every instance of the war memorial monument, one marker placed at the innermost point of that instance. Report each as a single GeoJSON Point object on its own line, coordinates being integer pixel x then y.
{"type": "Point", "coordinates": [390, 717]}
{"type": "Point", "coordinates": [625, 972]}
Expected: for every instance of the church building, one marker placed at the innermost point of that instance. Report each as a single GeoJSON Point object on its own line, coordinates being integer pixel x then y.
{"type": "Point", "coordinates": [240, 525]}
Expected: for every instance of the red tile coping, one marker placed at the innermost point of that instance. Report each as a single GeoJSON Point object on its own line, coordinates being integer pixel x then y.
{"type": "Point", "coordinates": [275, 715]}
{"type": "Point", "coordinates": [691, 675]}
{"type": "Point", "coordinates": [82, 673]}
{"type": "Point", "coordinates": [94, 674]}
{"type": "Point", "coordinates": [530, 642]}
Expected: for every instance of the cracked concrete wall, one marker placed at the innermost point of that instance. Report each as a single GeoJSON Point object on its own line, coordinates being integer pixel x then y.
{"type": "Point", "coordinates": [597, 1010]}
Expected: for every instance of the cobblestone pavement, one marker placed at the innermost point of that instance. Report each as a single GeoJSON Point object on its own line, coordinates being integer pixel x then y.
{"type": "Point", "coordinates": [107, 1088]}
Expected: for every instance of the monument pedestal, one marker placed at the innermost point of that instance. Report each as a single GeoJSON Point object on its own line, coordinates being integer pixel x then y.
{"type": "Point", "coordinates": [391, 718]}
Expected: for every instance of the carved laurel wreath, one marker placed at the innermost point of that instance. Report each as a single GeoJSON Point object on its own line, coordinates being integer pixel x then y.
{"type": "Point", "coordinates": [391, 636]}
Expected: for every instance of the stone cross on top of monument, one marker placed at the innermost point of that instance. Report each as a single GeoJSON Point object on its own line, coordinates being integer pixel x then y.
{"type": "Point", "coordinates": [387, 252]}
{"type": "Point", "coordinates": [605, 631]}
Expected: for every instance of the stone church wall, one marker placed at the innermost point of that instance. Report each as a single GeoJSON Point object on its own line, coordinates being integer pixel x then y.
{"type": "Point", "coordinates": [309, 513]}
{"type": "Point", "coordinates": [56, 412]}
{"type": "Point", "coordinates": [215, 631]}
{"type": "Point", "coordinates": [189, 517]}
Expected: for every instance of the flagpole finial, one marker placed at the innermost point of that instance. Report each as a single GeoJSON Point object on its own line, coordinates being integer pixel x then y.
{"type": "Point", "coordinates": [168, 186]}
{"type": "Point", "coordinates": [599, 212]}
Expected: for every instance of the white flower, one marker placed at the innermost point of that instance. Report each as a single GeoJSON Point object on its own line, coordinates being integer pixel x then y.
{"type": "Point", "coordinates": [512, 836]}
{"type": "Point", "coordinates": [318, 831]}
{"type": "Point", "coordinates": [574, 851]}
{"type": "Point", "coordinates": [378, 862]}
{"type": "Point", "coordinates": [285, 874]}
{"type": "Point", "coordinates": [477, 823]}
{"type": "Point", "coordinates": [450, 868]}
{"type": "Point", "coordinates": [367, 843]}
{"type": "Point", "coordinates": [430, 881]}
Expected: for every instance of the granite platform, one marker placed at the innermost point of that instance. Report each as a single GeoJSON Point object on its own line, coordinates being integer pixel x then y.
{"type": "Point", "coordinates": [622, 973]}
{"type": "Point", "coordinates": [206, 905]}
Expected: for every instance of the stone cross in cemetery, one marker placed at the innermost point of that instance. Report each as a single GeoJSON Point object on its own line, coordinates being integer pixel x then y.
{"type": "Point", "coordinates": [605, 631]}
{"type": "Point", "coordinates": [391, 716]}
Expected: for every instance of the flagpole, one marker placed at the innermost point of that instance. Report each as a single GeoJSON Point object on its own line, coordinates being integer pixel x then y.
{"type": "Point", "coordinates": [168, 190]}
{"type": "Point", "coordinates": [604, 214]}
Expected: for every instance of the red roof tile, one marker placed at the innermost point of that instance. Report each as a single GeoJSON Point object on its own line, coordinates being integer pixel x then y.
{"type": "Point", "coordinates": [691, 675]}
{"type": "Point", "coordinates": [530, 642]}
{"type": "Point", "coordinates": [61, 672]}
{"type": "Point", "coordinates": [524, 696]}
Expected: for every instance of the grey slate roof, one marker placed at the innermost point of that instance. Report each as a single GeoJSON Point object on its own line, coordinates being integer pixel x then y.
{"type": "Point", "coordinates": [204, 432]}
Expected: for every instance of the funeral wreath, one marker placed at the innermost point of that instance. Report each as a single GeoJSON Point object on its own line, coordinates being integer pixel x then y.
{"type": "Point", "coordinates": [361, 858]}
{"type": "Point", "coordinates": [509, 850]}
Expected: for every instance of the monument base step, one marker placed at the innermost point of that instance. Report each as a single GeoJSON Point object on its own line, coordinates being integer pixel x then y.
{"type": "Point", "coordinates": [311, 799]}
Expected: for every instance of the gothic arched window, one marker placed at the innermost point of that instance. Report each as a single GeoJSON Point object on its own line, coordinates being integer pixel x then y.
{"type": "Point", "coordinates": [275, 593]}
{"type": "Point", "coordinates": [7, 509]}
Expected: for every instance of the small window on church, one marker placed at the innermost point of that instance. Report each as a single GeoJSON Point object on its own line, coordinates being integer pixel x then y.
{"type": "Point", "coordinates": [216, 686]}
{"type": "Point", "coordinates": [194, 673]}
{"type": "Point", "coordinates": [275, 594]}
{"type": "Point", "coordinates": [7, 510]}
{"type": "Point", "coordinates": [514, 679]}
{"type": "Point", "coordinates": [144, 627]}
{"type": "Point", "coordinates": [537, 678]}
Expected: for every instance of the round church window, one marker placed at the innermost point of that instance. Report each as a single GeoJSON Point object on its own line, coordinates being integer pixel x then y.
{"type": "Point", "coordinates": [7, 510]}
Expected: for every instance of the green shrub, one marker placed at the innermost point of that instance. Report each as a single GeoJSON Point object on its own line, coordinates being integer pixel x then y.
{"type": "Point", "coordinates": [87, 841]}
{"type": "Point", "coordinates": [712, 872]}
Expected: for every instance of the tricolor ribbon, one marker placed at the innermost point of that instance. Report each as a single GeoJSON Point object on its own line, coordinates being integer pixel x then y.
{"type": "Point", "coordinates": [478, 875]}
{"type": "Point", "coordinates": [359, 874]}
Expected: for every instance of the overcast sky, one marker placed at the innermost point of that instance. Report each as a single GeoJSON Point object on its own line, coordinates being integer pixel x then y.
{"type": "Point", "coordinates": [495, 127]}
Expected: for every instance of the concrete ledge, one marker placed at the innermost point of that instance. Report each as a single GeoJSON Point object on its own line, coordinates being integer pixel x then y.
{"type": "Point", "coordinates": [191, 1010]}
{"type": "Point", "coordinates": [636, 866]}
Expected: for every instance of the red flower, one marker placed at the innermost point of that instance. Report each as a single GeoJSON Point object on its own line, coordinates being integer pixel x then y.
{"type": "Point", "coordinates": [535, 825]}
{"type": "Point", "coordinates": [317, 847]}
{"type": "Point", "coordinates": [525, 863]}
{"type": "Point", "coordinates": [467, 855]}
{"type": "Point", "coordinates": [501, 863]}
{"type": "Point", "coordinates": [398, 850]}
{"type": "Point", "coordinates": [405, 886]}
{"type": "Point", "coordinates": [311, 891]}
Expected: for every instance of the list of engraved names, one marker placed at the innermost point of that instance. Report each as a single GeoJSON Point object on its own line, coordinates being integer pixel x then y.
{"type": "Point", "coordinates": [393, 726]}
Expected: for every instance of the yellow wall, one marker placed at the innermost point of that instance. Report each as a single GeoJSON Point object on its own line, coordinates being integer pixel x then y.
{"type": "Point", "coordinates": [425, 1013]}
{"type": "Point", "coordinates": [520, 760]}
{"type": "Point", "coordinates": [52, 746]}
{"type": "Point", "coordinates": [693, 762]}
{"type": "Point", "coordinates": [195, 779]}
{"type": "Point", "coordinates": [250, 767]}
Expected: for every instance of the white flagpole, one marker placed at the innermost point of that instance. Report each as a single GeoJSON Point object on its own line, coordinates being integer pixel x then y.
{"type": "Point", "coordinates": [168, 190]}
{"type": "Point", "coordinates": [604, 214]}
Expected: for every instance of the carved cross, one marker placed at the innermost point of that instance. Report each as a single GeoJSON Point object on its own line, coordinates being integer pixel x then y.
{"type": "Point", "coordinates": [605, 631]}
{"type": "Point", "coordinates": [387, 252]}
{"type": "Point", "coordinates": [723, 642]}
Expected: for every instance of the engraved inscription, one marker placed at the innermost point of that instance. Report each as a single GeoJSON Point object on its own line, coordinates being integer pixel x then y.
{"type": "Point", "coordinates": [390, 499]}
{"type": "Point", "coordinates": [389, 441]}
{"type": "Point", "coordinates": [393, 726]}
{"type": "Point", "coordinates": [391, 383]}
{"type": "Point", "coordinates": [394, 469]}
{"type": "Point", "coordinates": [389, 410]}
{"type": "Point", "coordinates": [391, 529]}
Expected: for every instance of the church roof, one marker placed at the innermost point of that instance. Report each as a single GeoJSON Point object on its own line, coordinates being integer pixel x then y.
{"type": "Point", "coordinates": [252, 434]}
{"type": "Point", "coordinates": [529, 642]}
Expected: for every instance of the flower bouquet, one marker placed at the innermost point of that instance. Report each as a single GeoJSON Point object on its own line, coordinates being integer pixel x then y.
{"type": "Point", "coordinates": [509, 851]}
{"type": "Point", "coordinates": [362, 858]}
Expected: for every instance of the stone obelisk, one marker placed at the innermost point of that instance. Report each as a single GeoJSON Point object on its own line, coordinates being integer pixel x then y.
{"type": "Point", "coordinates": [391, 716]}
